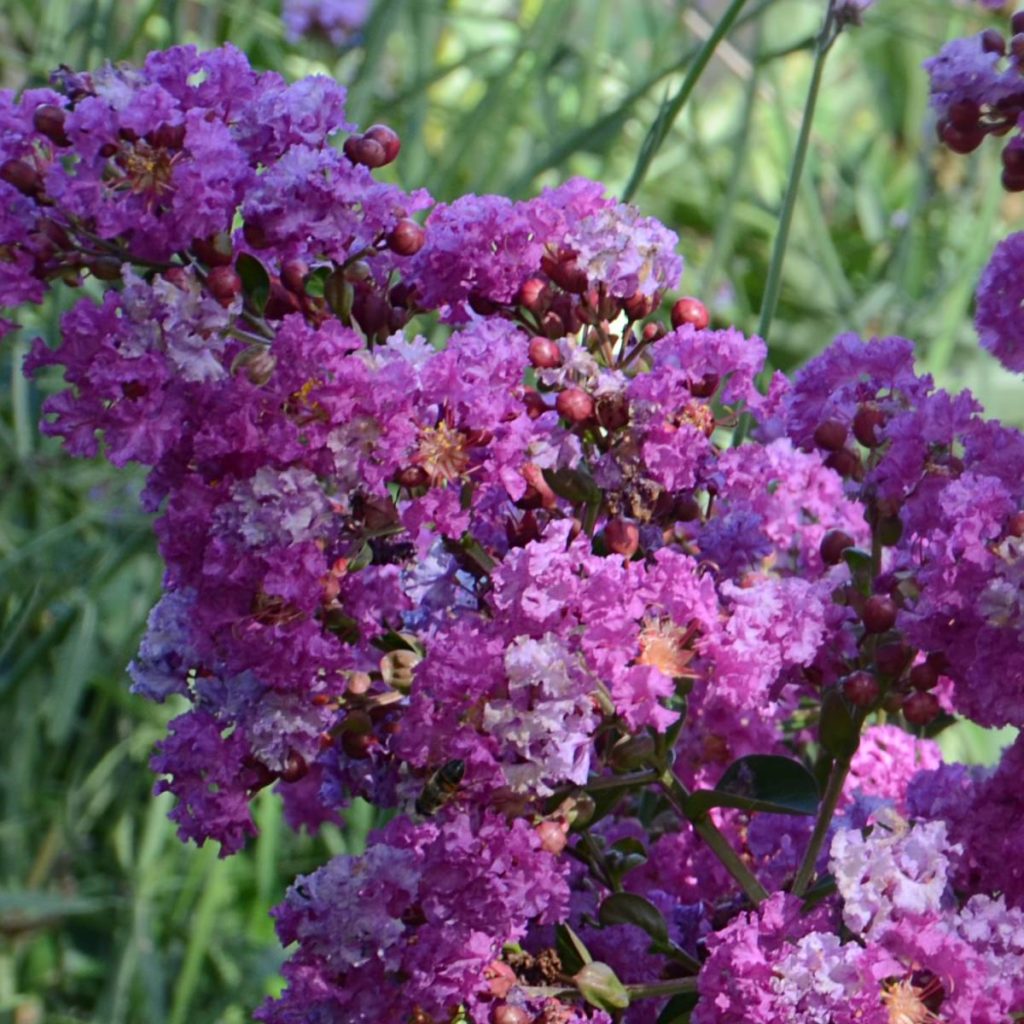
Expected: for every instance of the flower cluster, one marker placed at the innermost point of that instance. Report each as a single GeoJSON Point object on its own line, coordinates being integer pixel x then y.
{"type": "Point", "coordinates": [518, 587]}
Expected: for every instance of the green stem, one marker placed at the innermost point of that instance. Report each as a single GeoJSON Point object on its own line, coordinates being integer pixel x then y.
{"type": "Point", "coordinates": [833, 791]}
{"type": "Point", "coordinates": [622, 781]}
{"type": "Point", "coordinates": [654, 989]}
{"type": "Point", "coordinates": [678, 795]}
{"type": "Point", "coordinates": [670, 111]}
{"type": "Point", "coordinates": [774, 283]}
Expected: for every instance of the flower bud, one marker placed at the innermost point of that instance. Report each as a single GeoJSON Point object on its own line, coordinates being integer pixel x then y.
{"type": "Point", "coordinates": [613, 411]}
{"type": "Point", "coordinates": [295, 767]}
{"type": "Point", "coordinates": [48, 119]}
{"type": "Point", "coordinates": [705, 387]}
{"type": "Point", "coordinates": [214, 251]}
{"type": "Point", "coordinates": [407, 237]}
{"type": "Point", "coordinates": [294, 274]}
{"type": "Point", "coordinates": [575, 405]}
{"type": "Point", "coordinates": [534, 295]}
{"type": "Point", "coordinates": [224, 284]}
{"type": "Point", "coordinates": [22, 176]}
{"type": "Point", "coordinates": [833, 544]}
{"type": "Point", "coordinates": [622, 537]}
{"type": "Point", "coordinates": [892, 658]}
{"type": "Point", "coordinates": [879, 613]}
{"type": "Point", "coordinates": [924, 676]}
{"type": "Point", "coordinates": [412, 476]}
{"type": "Point", "coordinates": [364, 151]}
{"type": "Point", "coordinates": [534, 402]}
{"type": "Point", "coordinates": [830, 435]}
{"type": "Point", "coordinates": [638, 305]}
{"type": "Point", "coordinates": [689, 310]}
{"type": "Point", "coordinates": [553, 836]}
{"type": "Point", "coordinates": [920, 708]}
{"type": "Point", "coordinates": [861, 689]}
{"type": "Point", "coordinates": [992, 41]}
{"type": "Point", "coordinates": [544, 353]}
{"type": "Point", "coordinates": [386, 137]}
{"type": "Point", "coordinates": [866, 422]}
{"type": "Point", "coordinates": [509, 1014]}
{"type": "Point", "coordinates": [257, 363]}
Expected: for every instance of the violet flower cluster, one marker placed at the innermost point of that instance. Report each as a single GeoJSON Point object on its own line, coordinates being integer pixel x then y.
{"type": "Point", "coordinates": [977, 90]}
{"type": "Point", "coordinates": [647, 710]}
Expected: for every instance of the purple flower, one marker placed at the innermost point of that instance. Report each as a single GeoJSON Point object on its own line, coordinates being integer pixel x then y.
{"type": "Point", "coordinates": [998, 312]}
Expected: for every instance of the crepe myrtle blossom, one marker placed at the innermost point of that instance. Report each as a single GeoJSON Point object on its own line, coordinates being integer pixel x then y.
{"type": "Point", "coordinates": [644, 709]}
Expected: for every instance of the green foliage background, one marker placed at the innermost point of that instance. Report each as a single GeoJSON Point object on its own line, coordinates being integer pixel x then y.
{"type": "Point", "coordinates": [104, 915]}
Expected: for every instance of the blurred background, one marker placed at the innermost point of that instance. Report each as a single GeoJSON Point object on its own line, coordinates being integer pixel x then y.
{"type": "Point", "coordinates": [104, 915]}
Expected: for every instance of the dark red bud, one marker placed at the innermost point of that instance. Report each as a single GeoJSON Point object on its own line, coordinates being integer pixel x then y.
{"type": "Point", "coordinates": [215, 251]}
{"type": "Point", "coordinates": [613, 411]}
{"type": "Point", "coordinates": [1013, 158]}
{"type": "Point", "coordinates": [1017, 23]}
{"type": "Point", "coordinates": [866, 422]}
{"type": "Point", "coordinates": [920, 708]}
{"type": "Point", "coordinates": [522, 531]}
{"type": "Point", "coordinates": [48, 120]}
{"type": "Point", "coordinates": [892, 658]}
{"type": "Point", "coordinates": [653, 332]}
{"type": "Point", "coordinates": [638, 305]}
{"type": "Point", "coordinates": [483, 305]}
{"type": "Point", "coordinates": [22, 175]}
{"type": "Point", "coordinates": [177, 276]}
{"type": "Point", "coordinates": [106, 268]}
{"type": "Point", "coordinates": [387, 137]}
{"type": "Point", "coordinates": [294, 274]}
{"type": "Point", "coordinates": [705, 387]}
{"type": "Point", "coordinates": [622, 537]}
{"type": "Point", "coordinates": [964, 114]}
{"type": "Point", "coordinates": [861, 689]}
{"type": "Point", "coordinates": [845, 463]}
{"type": "Point", "coordinates": [575, 405]}
{"type": "Point", "coordinates": [879, 613]}
{"type": "Point", "coordinates": [831, 435]}
{"type": "Point", "coordinates": [833, 544]}
{"type": "Point", "coordinates": [535, 295]}
{"type": "Point", "coordinates": [685, 508]}
{"type": "Point", "coordinates": [255, 234]}
{"type": "Point", "coordinates": [167, 136]}
{"type": "Point", "coordinates": [509, 1014]}
{"type": "Point", "coordinates": [1013, 181]}
{"type": "Point", "coordinates": [407, 237]}
{"type": "Point", "coordinates": [368, 152]}
{"type": "Point", "coordinates": [535, 404]}
{"type": "Point", "coordinates": [1015, 525]}
{"type": "Point", "coordinates": [295, 767]}
{"type": "Point", "coordinates": [992, 41]}
{"type": "Point", "coordinates": [1017, 45]}
{"type": "Point", "coordinates": [565, 272]}
{"type": "Point", "coordinates": [689, 310]}
{"type": "Point", "coordinates": [961, 140]}
{"type": "Point", "coordinates": [939, 661]}
{"type": "Point", "coordinates": [371, 310]}
{"type": "Point", "coordinates": [924, 676]}
{"type": "Point", "coordinates": [358, 745]}
{"type": "Point", "coordinates": [224, 284]}
{"type": "Point", "coordinates": [280, 301]}
{"type": "Point", "coordinates": [544, 353]}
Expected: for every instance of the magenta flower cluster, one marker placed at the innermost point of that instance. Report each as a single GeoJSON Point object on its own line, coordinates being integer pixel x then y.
{"type": "Point", "coordinates": [648, 711]}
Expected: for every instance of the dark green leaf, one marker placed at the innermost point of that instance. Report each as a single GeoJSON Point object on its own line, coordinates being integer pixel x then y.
{"type": "Point", "coordinates": [571, 949]}
{"type": "Point", "coordinates": [573, 485]}
{"type": "Point", "coordinates": [628, 908]}
{"type": "Point", "coordinates": [760, 782]}
{"type": "Point", "coordinates": [255, 281]}
{"type": "Point", "coordinates": [677, 1009]}
{"type": "Point", "coordinates": [839, 727]}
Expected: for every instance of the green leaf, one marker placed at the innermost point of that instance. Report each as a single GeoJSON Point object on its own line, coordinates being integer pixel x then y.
{"type": "Point", "coordinates": [573, 485]}
{"type": "Point", "coordinates": [677, 1009]}
{"type": "Point", "coordinates": [571, 949]}
{"type": "Point", "coordinates": [600, 986]}
{"type": "Point", "coordinates": [760, 782]}
{"type": "Point", "coordinates": [628, 908]}
{"type": "Point", "coordinates": [839, 726]}
{"type": "Point", "coordinates": [255, 280]}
